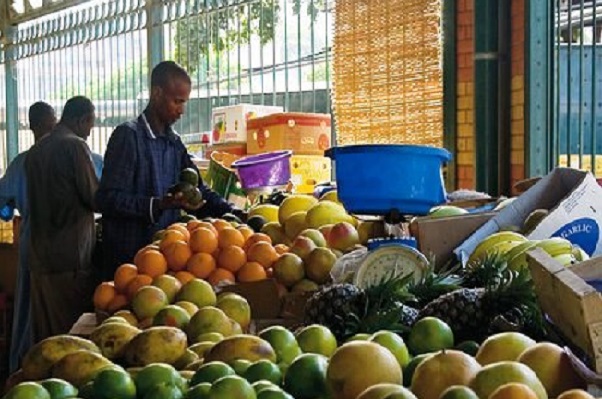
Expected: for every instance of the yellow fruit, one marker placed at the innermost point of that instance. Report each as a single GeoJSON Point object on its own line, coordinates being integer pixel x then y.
{"type": "Point", "coordinates": [199, 292]}
{"type": "Point", "coordinates": [268, 211]}
{"type": "Point", "coordinates": [202, 348]}
{"type": "Point", "coordinates": [237, 308]}
{"type": "Point", "coordinates": [331, 195]}
{"type": "Point", "coordinates": [288, 269]}
{"type": "Point", "coordinates": [503, 346]}
{"type": "Point", "coordinates": [186, 359]}
{"type": "Point", "coordinates": [112, 338]}
{"type": "Point", "coordinates": [319, 263]}
{"type": "Point", "coordinates": [38, 362]}
{"type": "Point", "coordinates": [156, 345]}
{"type": "Point", "coordinates": [294, 203]}
{"type": "Point", "coordinates": [208, 319]}
{"type": "Point", "coordinates": [128, 316]}
{"type": "Point", "coordinates": [327, 212]}
{"type": "Point", "coordinates": [575, 394]}
{"type": "Point", "coordinates": [493, 376]}
{"type": "Point", "coordinates": [382, 391]}
{"type": "Point", "coordinates": [79, 367]}
{"type": "Point", "coordinates": [246, 347]}
{"type": "Point", "coordinates": [295, 224]}
{"type": "Point", "coordinates": [276, 233]}
{"type": "Point", "coordinates": [348, 374]}
{"type": "Point", "coordinates": [513, 390]}
{"type": "Point", "coordinates": [148, 301]}
{"type": "Point", "coordinates": [317, 339]}
{"type": "Point", "coordinates": [441, 371]}
{"type": "Point", "coordinates": [553, 368]}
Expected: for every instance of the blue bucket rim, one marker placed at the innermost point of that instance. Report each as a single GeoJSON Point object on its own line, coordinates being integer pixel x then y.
{"type": "Point", "coordinates": [252, 160]}
{"type": "Point", "coordinates": [415, 149]}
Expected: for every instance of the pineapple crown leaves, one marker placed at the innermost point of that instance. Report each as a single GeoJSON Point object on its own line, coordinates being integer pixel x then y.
{"type": "Point", "coordinates": [485, 271]}
{"type": "Point", "coordinates": [432, 285]}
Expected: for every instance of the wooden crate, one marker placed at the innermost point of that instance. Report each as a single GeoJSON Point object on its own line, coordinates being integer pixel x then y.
{"type": "Point", "coordinates": [573, 305]}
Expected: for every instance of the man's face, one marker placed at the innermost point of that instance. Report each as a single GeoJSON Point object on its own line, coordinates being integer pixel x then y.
{"type": "Point", "coordinates": [171, 100]}
{"type": "Point", "coordinates": [85, 125]}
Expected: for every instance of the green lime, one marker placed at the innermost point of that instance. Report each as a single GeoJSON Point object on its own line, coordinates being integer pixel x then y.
{"type": "Point", "coordinates": [210, 372]}
{"type": "Point", "coordinates": [273, 393]}
{"type": "Point", "coordinates": [408, 372]}
{"type": "Point", "coordinates": [458, 392]}
{"type": "Point", "coordinates": [200, 391]}
{"type": "Point", "coordinates": [164, 391]}
{"type": "Point", "coordinates": [317, 339]}
{"type": "Point", "coordinates": [112, 383]}
{"type": "Point", "coordinates": [284, 343]}
{"type": "Point", "coordinates": [59, 389]}
{"type": "Point", "coordinates": [87, 390]}
{"type": "Point", "coordinates": [430, 334]}
{"type": "Point", "coordinates": [260, 385]}
{"type": "Point", "coordinates": [240, 366]}
{"type": "Point", "coordinates": [395, 344]}
{"type": "Point", "coordinates": [359, 337]}
{"type": "Point", "coordinates": [469, 347]}
{"type": "Point", "coordinates": [27, 390]}
{"type": "Point", "coordinates": [155, 374]}
{"type": "Point", "coordinates": [306, 376]}
{"type": "Point", "coordinates": [189, 175]}
{"type": "Point", "coordinates": [230, 387]}
{"type": "Point", "coordinates": [263, 370]}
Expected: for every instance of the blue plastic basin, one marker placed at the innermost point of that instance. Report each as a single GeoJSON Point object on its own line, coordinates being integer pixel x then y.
{"type": "Point", "coordinates": [376, 179]}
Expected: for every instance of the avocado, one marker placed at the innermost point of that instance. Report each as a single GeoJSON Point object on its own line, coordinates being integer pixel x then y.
{"type": "Point", "coordinates": [189, 175]}
{"type": "Point", "coordinates": [181, 187]}
{"type": "Point", "coordinates": [256, 222]}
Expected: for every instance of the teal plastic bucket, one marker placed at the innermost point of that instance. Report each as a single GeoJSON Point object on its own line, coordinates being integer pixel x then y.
{"type": "Point", "coordinates": [378, 179]}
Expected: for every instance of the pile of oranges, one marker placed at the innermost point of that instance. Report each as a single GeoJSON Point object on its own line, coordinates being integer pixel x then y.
{"type": "Point", "coordinates": [214, 251]}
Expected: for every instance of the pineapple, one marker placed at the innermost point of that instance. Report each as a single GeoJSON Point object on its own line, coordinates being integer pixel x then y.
{"type": "Point", "coordinates": [470, 311]}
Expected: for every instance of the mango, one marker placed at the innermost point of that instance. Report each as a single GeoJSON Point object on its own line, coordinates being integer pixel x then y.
{"type": "Point", "coordinates": [113, 338]}
{"type": "Point", "coordinates": [79, 367]}
{"type": "Point", "coordinates": [38, 362]}
{"type": "Point", "coordinates": [156, 345]}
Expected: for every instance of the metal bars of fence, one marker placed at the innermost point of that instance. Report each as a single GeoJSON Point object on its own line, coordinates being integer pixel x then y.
{"type": "Point", "coordinates": [578, 84]}
{"type": "Point", "coordinates": [265, 52]}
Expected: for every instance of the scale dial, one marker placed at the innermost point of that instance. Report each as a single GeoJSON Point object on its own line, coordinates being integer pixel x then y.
{"type": "Point", "coordinates": [390, 260]}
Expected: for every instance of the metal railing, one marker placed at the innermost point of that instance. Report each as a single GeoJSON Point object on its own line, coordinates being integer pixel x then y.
{"type": "Point", "coordinates": [577, 139]}
{"type": "Point", "coordinates": [236, 51]}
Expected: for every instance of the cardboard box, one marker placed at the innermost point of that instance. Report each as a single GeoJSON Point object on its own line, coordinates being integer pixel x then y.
{"type": "Point", "coordinates": [437, 237]}
{"type": "Point", "coordinates": [309, 170]}
{"type": "Point", "coordinates": [573, 305]}
{"type": "Point", "coordinates": [230, 122]}
{"type": "Point", "coordinates": [303, 133]}
{"type": "Point", "coordinates": [262, 296]}
{"type": "Point", "coordinates": [573, 200]}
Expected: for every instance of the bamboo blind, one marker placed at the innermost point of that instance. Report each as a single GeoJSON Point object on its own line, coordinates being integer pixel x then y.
{"type": "Point", "coordinates": [387, 73]}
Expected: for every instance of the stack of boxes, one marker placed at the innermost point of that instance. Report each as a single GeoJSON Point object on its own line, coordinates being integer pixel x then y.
{"type": "Point", "coordinates": [250, 129]}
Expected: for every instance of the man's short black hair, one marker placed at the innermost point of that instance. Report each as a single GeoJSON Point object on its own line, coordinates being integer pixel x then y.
{"type": "Point", "coordinates": [165, 71]}
{"type": "Point", "coordinates": [77, 107]}
{"type": "Point", "coordinates": [38, 112]}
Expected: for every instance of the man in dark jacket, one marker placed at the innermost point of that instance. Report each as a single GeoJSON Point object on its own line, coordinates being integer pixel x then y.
{"type": "Point", "coordinates": [61, 184]}
{"type": "Point", "coordinates": [143, 159]}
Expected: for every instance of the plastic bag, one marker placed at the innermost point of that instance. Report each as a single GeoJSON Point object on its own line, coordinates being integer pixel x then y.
{"type": "Point", "coordinates": [345, 267]}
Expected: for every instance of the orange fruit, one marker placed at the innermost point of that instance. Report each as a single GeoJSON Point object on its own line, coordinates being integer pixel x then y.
{"type": "Point", "coordinates": [177, 254]}
{"type": "Point", "coordinates": [124, 275]}
{"type": "Point", "coordinates": [138, 282]}
{"type": "Point", "coordinates": [184, 276]}
{"type": "Point", "coordinates": [203, 240]}
{"type": "Point", "coordinates": [246, 231]}
{"type": "Point", "coordinates": [201, 265]}
{"type": "Point", "coordinates": [251, 271]}
{"type": "Point", "coordinates": [232, 258]}
{"type": "Point", "coordinates": [221, 224]}
{"type": "Point", "coordinates": [513, 390]}
{"type": "Point", "coordinates": [143, 250]}
{"type": "Point", "coordinates": [281, 249]}
{"type": "Point", "coordinates": [256, 237]}
{"type": "Point", "coordinates": [120, 301]}
{"type": "Point", "coordinates": [103, 295]}
{"type": "Point", "coordinates": [262, 253]}
{"type": "Point", "coordinates": [152, 263]}
{"type": "Point", "coordinates": [181, 227]}
{"type": "Point", "coordinates": [169, 237]}
{"type": "Point", "coordinates": [207, 225]}
{"type": "Point", "coordinates": [193, 225]}
{"type": "Point", "coordinates": [230, 236]}
{"type": "Point", "coordinates": [219, 275]}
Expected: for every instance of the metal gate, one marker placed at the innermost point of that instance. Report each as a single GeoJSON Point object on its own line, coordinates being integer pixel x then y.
{"type": "Point", "coordinates": [237, 51]}
{"type": "Point", "coordinates": [577, 139]}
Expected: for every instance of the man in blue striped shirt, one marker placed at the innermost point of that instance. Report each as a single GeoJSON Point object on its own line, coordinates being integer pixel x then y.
{"type": "Point", "coordinates": [143, 159]}
{"type": "Point", "coordinates": [13, 195]}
